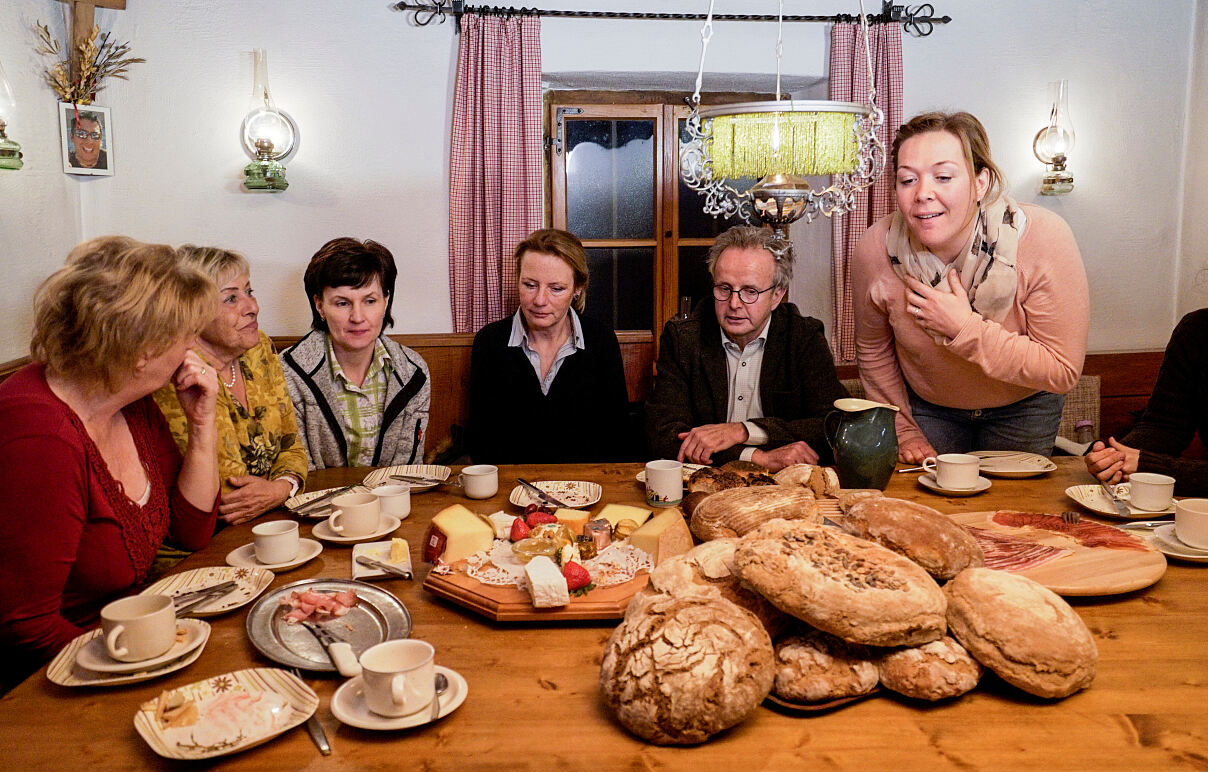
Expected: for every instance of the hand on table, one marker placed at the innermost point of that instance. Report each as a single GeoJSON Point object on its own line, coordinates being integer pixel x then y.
{"type": "Point", "coordinates": [938, 312]}
{"type": "Point", "coordinates": [786, 455]}
{"type": "Point", "coordinates": [702, 442]}
{"type": "Point", "coordinates": [1112, 463]}
{"type": "Point", "coordinates": [252, 497]}
{"type": "Point", "coordinates": [914, 451]}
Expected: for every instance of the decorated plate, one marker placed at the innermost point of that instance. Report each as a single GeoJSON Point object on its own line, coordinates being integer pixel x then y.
{"type": "Point", "coordinates": [319, 512]}
{"type": "Point", "coordinates": [224, 714]}
{"type": "Point", "coordinates": [64, 671]}
{"type": "Point", "coordinates": [1013, 463]}
{"type": "Point", "coordinates": [190, 634]}
{"type": "Point", "coordinates": [428, 471]}
{"type": "Point", "coordinates": [575, 494]}
{"type": "Point", "coordinates": [250, 582]}
{"type": "Point", "coordinates": [1093, 498]}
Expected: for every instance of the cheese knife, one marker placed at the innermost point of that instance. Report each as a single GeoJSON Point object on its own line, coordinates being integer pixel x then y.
{"type": "Point", "coordinates": [1120, 507]}
{"type": "Point", "coordinates": [540, 494]}
{"type": "Point", "coordinates": [339, 651]}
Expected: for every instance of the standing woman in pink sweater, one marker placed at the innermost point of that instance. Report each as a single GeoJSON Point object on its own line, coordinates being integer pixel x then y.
{"type": "Point", "coordinates": [971, 309]}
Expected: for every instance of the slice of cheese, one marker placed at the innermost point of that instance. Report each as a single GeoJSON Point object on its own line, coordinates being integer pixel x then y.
{"type": "Point", "coordinates": [503, 524]}
{"type": "Point", "coordinates": [665, 535]}
{"type": "Point", "coordinates": [400, 552]}
{"type": "Point", "coordinates": [455, 534]}
{"type": "Point", "coordinates": [546, 584]}
{"type": "Point", "coordinates": [615, 513]}
{"type": "Point", "coordinates": [574, 519]}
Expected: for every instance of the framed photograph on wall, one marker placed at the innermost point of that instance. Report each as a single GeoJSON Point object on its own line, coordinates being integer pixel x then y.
{"type": "Point", "coordinates": [87, 132]}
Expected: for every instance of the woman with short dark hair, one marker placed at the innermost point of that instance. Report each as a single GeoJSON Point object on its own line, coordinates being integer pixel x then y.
{"type": "Point", "coordinates": [360, 398]}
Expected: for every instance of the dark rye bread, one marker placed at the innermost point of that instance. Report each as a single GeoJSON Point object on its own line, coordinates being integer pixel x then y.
{"type": "Point", "coordinates": [736, 511]}
{"type": "Point", "coordinates": [933, 671]}
{"type": "Point", "coordinates": [1024, 632]}
{"type": "Point", "coordinates": [919, 532]}
{"type": "Point", "coordinates": [840, 584]}
{"type": "Point", "coordinates": [680, 669]}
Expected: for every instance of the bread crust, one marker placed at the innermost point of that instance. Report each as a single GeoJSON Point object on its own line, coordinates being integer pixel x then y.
{"type": "Point", "coordinates": [814, 666]}
{"type": "Point", "coordinates": [1022, 631]}
{"type": "Point", "coordinates": [736, 511]}
{"type": "Point", "coordinates": [710, 480]}
{"type": "Point", "coordinates": [822, 480]}
{"type": "Point", "coordinates": [924, 535]}
{"type": "Point", "coordinates": [849, 587]}
{"type": "Point", "coordinates": [934, 671]}
{"type": "Point", "coordinates": [679, 669]}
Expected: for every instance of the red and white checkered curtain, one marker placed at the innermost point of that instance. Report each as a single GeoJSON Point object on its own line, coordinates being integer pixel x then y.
{"type": "Point", "coordinates": [495, 185]}
{"type": "Point", "coordinates": [849, 83]}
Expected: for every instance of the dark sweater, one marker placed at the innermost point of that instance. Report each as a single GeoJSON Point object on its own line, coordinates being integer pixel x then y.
{"type": "Point", "coordinates": [1177, 409]}
{"type": "Point", "coordinates": [582, 419]}
{"type": "Point", "coordinates": [797, 383]}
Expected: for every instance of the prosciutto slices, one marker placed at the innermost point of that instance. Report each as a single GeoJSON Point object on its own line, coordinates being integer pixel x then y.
{"type": "Point", "coordinates": [306, 604]}
{"type": "Point", "coordinates": [1005, 552]}
{"type": "Point", "coordinates": [1085, 532]}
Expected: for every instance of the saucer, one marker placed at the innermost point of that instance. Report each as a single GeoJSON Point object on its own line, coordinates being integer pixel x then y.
{"type": "Point", "coordinates": [1168, 543]}
{"type": "Point", "coordinates": [322, 530]}
{"type": "Point", "coordinates": [64, 671]}
{"type": "Point", "coordinates": [928, 481]}
{"type": "Point", "coordinates": [348, 704]}
{"type": "Point", "coordinates": [245, 556]}
{"type": "Point", "coordinates": [93, 656]}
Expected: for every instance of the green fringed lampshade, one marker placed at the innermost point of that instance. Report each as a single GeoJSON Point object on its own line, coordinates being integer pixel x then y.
{"type": "Point", "coordinates": [803, 138]}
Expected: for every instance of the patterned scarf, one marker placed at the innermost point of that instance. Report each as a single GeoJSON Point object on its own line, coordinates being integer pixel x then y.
{"type": "Point", "coordinates": [987, 269]}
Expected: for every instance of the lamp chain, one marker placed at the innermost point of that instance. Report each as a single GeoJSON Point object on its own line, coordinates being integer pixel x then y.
{"type": "Point", "coordinates": [872, 86]}
{"type": "Point", "coordinates": [706, 33]}
{"type": "Point", "coordinates": [779, 45]}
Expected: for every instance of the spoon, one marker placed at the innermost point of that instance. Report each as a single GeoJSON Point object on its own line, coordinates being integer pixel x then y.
{"type": "Point", "coordinates": [442, 685]}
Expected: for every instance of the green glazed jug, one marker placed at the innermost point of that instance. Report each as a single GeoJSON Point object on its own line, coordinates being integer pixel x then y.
{"type": "Point", "coordinates": [865, 443]}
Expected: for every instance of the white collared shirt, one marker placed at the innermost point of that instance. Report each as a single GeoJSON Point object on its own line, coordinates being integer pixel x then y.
{"type": "Point", "coordinates": [519, 338]}
{"type": "Point", "coordinates": [743, 367]}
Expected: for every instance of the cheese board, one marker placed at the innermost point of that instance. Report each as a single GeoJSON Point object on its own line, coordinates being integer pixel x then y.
{"type": "Point", "coordinates": [511, 604]}
{"type": "Point", "coordinates": [1083, 570]}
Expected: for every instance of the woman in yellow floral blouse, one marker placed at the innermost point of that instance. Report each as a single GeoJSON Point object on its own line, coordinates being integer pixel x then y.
{"type": "Point", "coordinates": [261, 460]}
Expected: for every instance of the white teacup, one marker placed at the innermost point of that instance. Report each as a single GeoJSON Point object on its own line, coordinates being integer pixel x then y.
{"type": "Point", "coordinates": [954, 471]}
{"type": "Point", "coordinates": [394, 500]}
{"type": "Point", "coordinates": [1150, 491]}
{"type": "Point", "coordinates": [276, 541]}
{"type": "Point", "coordinates": [1191, 522]}
{"type": "Point", "coordinates": [355, 514]}
{"type": "Point", "coordinates": [480, 481]}
{"type": "Point", "coordinates": [664, 483]}
{"type": "Point", "coordinates": [399, 676]}
{"type": "Point", "coordinates": [139, 627]}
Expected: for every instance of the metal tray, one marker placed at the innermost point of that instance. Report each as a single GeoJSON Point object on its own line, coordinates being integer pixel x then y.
{"type": "Point", "coordinates": [378, 616]}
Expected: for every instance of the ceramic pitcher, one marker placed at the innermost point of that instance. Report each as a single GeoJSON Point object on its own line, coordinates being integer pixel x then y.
{"type": "Point", "coordinates": [861, 433]}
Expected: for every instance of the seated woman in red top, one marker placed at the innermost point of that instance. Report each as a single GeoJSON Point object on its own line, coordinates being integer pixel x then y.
{"type": "Point", "coordinates": [92, 479]}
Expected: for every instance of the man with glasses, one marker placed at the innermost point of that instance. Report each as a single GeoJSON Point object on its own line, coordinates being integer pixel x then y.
{"type": "Point", "coordinates": [86, 133]}
{"type": "Point", "coordinates": [749, 378]}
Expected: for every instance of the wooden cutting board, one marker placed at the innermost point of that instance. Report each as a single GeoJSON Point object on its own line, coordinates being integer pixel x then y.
{"type": "Point", "coordinates": [509, 604]}
{"type": "Point", "coordinates": [1088, 570]}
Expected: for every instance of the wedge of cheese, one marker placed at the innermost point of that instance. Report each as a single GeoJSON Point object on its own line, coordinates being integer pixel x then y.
{"type": "Point", "coordinates": [615, 513]}
{"type": "Point", "coordinates": [574, 519]}
{"type": "Point", "coordinates": [663, 536]}
{"type": "Point", "coordinates": [502, 522]}
{"type": "Point", "coordinates": [546, 584]}
{"type": "Point", "coordinates": [455, 534]}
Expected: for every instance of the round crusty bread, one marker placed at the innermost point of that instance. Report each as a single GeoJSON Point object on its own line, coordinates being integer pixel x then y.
{"type": "Point", "coordinates": [710, 480]}
{"type": "Point", "coordinates": [680, 669]}
{"type": "Point", "coordinates": [840, 584]}
{"type": "Point", "coordinates": [814, 666]}
{"type": "Point", "coordinates": [1024, 632]}
{"type": "Point", "coordinates": [822, 480]}
{"type": "Point", "coordinates": [736, 511]}
{"type": "Point", "coordinates": [933, 671]}
{"type": "Point", "coordinates": [711, 565]}
{"type": "Point", "coordinates": [851, 498]}
{"type": "Point", "coordinates": [919, 532]}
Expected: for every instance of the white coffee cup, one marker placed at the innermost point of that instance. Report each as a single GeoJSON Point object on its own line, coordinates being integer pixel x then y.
{"type": "Point", "coordinates": [1149, 491]}
{"type": "Point", "coordinates": [139, 627]}
{"type": "Point", "coordinates": [480, 481]}
{"type": "Point", "coordinates": [394, 500]}
{"type": "Point", "coordinates": [355, 514]}
{"type": "Point", "coordinates": [954, 471]}
{"type": "Point", "coordinates": [1191, 522]}
{"type": "Point", "coordinates": [664, 483]}
{"type": "Point", "coordinates": [276, 541]}
{"type": "Point", "coordinates": [399, 676]}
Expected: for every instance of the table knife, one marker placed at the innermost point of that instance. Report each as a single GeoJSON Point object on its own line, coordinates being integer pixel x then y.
{"type": "Point", "coordinates": [339, 651]}
{"type": "Point", "coordinates": [540, 494]}
{"type": "Point", "coordinates": [365, 560]}
{"type": "Point", "coordinates": [417, 480]}
{"type": "Point", "coordinates": [308, 506]}
{"type": "Point", "coordinates": [186, 602]}
{"type": "Point", "coordinates": [316, 729]}
{"type": "Point", "coordinates": [1120, 507]}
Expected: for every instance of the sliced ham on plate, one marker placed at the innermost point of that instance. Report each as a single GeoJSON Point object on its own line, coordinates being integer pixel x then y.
{"type": "Point", "coordinates": [310, 603]}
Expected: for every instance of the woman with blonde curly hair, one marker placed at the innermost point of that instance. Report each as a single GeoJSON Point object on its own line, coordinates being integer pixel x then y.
{"type": "Point", "coordinates": [92, 479]}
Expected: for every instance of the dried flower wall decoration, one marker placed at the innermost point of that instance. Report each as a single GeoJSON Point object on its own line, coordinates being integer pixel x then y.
{"type": "Point", "coordinates": [99, 58]}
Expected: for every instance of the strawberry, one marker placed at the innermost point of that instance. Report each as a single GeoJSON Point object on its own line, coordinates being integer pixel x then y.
{"type": "Point", "coordinates": [519, 530]}
{"type": "Point", "coordinates": [539, 517]}
{"type": "Point", "coordinates": [576, 576]}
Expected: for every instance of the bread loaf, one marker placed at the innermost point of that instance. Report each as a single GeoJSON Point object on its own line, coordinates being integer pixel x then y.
{"type": "Point", "coordinates": [933, 671]}
{"type": "Point", "coordinates": [710, 480]}
{"type": "Point", "coordinates": [814, 666]}
{"type": "Point", "coordinates": [916, 531]}
{"type": "Point", "coordinates": [848, 587]}
{"type": "Point", "coordinates": [1022, 631]}
{"type": "Point", "coordinates": [849, 499]}
{"type": "Point", "coordinates": [736, 511]}
{"type": "Point", "coordinates": [678, 670]}
{"type": "Point", "coordinates": [822, 480]}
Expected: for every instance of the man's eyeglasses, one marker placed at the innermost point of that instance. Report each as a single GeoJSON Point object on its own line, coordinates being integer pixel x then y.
{"type": "Point", "coordinates": [748, 295]}
{"type": "Point", "coordinates": [81, 134]}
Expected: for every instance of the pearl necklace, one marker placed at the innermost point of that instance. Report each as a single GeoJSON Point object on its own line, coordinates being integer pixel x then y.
{"type": "Point", "coordinates": [231, 385]}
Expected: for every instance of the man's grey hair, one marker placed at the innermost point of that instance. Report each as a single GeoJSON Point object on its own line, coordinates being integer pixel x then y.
{"type": "Point", "coordinates": [752, 237]}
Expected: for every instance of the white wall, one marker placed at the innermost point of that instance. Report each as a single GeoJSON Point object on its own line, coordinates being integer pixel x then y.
{"type": "Point", "coordinates": [1193, 267]}
{"type": "Point", "coordinates": [372, 95]}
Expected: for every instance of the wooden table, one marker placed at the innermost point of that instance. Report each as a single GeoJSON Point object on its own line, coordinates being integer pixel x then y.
{"type": "Point", "coordinates": [534, 700]}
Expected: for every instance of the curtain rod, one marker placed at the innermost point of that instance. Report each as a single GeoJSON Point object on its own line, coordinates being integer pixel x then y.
{"type": "Point", "coordinates": [918, 20]}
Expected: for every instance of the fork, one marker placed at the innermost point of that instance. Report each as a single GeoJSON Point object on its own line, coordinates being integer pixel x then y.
{"type": "Point", "coordinates": [1071, 517]}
